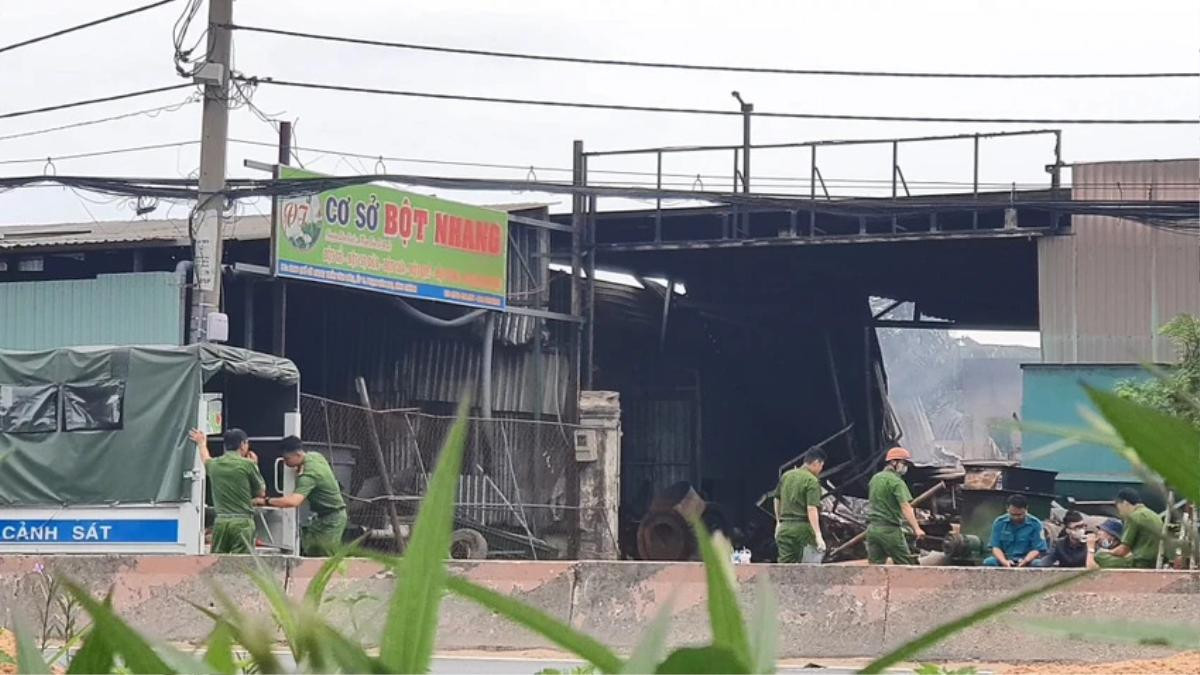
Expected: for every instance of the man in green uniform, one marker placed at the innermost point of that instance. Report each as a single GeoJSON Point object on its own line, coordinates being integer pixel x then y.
{"type": "Point", "coordinates": [890, 507]}
{"type": "Point", "coordinates": [236, 483]}
{"type": "Point", "coordinates": [322, 537]}
{"type": "Point", "coordinates": [797, 511]}
{"type": "Point", "coordinates": [1139, 541]}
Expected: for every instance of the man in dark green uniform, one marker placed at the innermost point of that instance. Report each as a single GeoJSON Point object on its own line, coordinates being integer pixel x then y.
{"type": "Point", "coordinates": [890, 507]}
{"type": "Point", "coordinates": [797, 511]}
{"type": "Point", "coordinates": [235, 483]}
{"type": "Point", "coordinates": [322, 537]}
{"type": "Point", "coordinates": [1139, 540]}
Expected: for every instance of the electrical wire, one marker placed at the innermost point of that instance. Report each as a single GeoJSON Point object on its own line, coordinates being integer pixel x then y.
{"type": "Point", "coordinates": [93, 101]}
{"type": "Point", "coordinates": [711, 67]}
{"type": "Point", "coordinates": [185, 65]}
{"type": "Point", "coordinates": [704, 111]}
{"type": "Point", "coordinates": [1180, 213]}
{"type": "Point", "coordinates": [149, 112]}
{"type": "Point", "coordinates": [89, 24]}
{"type": "Point", "coordinates": [98, 153]}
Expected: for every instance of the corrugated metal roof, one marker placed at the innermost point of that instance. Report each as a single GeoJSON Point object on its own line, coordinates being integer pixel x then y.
{"type": "Point", "coordinates": [112, 309]}
{"type": "Point", "coordinates": [150, 232]}
{"type": "Point", "coordinates": [163, 232]}
{"type": "Point", "coordinates": [1106, 289]}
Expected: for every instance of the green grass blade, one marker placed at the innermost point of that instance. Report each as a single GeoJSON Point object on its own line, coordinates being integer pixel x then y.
{"type": "Point", "coordinates": [649, 649]}
{"type": "Point", "coordinates": [219, 654]}
{"type": "Point", "coordinates": [412, 618]}
{"type": "Point", "coordinates": [257, 640]}
{"type": "Point", "coordinates": [350, 655]}
{"type": "Point", "coordinates": [283, 611]}
{"type": "Point", "coordinates": [315, 593]}
{"type": "Point", "coordinates": [29, 657]}
{"type": "Point", "coordinates": [764, 628]}
{"type": "Point", "coordinates": [94, 656]}
{"type": "Point", "coordinates": [539, 622]}
{"type": "Point", "coordinates": [1122, 632]}
{"type": "Point", "coordinates": [1168, 445]}
{"type": "Point", "coordinates": [135, 651]}
{"type": "Point", "coordinates": [728, 627]}
{"type": "Point", "coordinates": [703, 660]}
{"type": "Point", "coordinates": [913, 647]}
{"type": "Point", "coordinates": [67, 646]}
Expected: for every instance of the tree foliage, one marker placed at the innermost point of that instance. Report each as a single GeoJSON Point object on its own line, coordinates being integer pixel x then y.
{"type": "Point", "coordinates": [1176, 391]}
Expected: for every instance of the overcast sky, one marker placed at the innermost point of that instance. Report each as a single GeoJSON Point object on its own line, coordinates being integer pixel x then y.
{"type": "Point", "coordinates": [956, 35]}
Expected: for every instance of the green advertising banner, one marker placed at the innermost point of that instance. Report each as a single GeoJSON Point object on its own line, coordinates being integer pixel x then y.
{"type": "Point", "coordinates": [390, 241]}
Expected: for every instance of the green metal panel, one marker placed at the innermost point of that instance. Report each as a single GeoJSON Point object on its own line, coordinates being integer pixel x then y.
{"type": "Point", "coordinates": [143, 308]}
{"type": "Point", "coordinates": [1053, 394]}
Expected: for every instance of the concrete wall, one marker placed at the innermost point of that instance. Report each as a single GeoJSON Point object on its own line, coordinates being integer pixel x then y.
{"type": "Point", "coordinates": [829, 611]}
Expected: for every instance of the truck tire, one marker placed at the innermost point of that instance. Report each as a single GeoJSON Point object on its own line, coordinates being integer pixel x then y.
{"type": "Point", "coordinates": [468, 544]}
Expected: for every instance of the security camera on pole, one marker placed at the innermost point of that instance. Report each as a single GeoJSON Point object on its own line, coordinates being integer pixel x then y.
{"type": "Point", "coordinates": [206, 218]}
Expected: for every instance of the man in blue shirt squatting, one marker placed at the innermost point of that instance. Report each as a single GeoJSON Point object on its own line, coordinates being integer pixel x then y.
{"type": "Point", "coordinates": [1017, 538]}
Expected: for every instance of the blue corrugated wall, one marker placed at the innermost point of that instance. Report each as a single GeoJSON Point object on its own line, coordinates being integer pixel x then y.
{"type": "Point", "coordinates": [1053, 394]}
{"type": "Point", "coordinates": [117, 309]}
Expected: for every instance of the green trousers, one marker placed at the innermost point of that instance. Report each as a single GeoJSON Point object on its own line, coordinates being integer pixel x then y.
{"type": "Point", "coordinates": [322, 537]}
{"type": "Point", "coordinates": [1109, 561]}
{"type": "Point", "coordinates": [233, 534]}
{"type": "Point", "coordinates": [792, 538]}
{"type": "Point", "coordinates": [888, 542]}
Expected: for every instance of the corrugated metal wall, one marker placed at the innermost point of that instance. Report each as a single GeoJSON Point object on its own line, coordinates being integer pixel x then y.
{"type": "Point", "coordinates": [1053, 396]}
{"type": "Point", "coordinates": [114, 309]}
{"type": "Point", "coordinates": [1105, 289]}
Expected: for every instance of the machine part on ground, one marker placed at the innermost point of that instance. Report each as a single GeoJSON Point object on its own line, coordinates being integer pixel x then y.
{"type": "Point", "coordinates": [680, 497]}
{"type": "Point", "coordinates": [468, 544]}
{"type": "Point", "coordinates": [963, 548]}
{"type": "Point", "coordinates": [665, 535]}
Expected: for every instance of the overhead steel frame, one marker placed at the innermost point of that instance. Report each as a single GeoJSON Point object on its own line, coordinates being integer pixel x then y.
{"type": "Point", "coordinates": [741, 167]}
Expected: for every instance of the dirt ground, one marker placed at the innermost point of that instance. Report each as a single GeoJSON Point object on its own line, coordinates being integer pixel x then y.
{"type": "Point", "coordinates": [1184, 662]}
{"type": "Point", "coordinates": [8, 647]}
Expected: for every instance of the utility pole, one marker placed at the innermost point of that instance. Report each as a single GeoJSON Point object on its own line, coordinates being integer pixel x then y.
{"type": "Point", "coordinates": [206, 219]}
{"type": "Point", "coordinates": [747, 110]}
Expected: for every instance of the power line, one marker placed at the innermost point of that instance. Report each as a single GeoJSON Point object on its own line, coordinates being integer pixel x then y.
{"type": "Point", "coordinates": [149, 112]}
{"type": "Point", "coordinates": [705, 111]}
{"type": "Point", "coordinates": [98, 153]}
{"type": "Point", "coordinates": [92, 101]}
{"type": "Point", "coordinates": [81, 26]}
{"type": "Point", "coordinates": [709, 67]}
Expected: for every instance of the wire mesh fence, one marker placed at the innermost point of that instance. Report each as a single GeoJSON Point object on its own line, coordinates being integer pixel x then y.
{"type": "Point", "coordinates": [512, 488]}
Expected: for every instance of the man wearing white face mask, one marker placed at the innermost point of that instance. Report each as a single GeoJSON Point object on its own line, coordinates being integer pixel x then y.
{"type": "Point", "coordinates": [1070, 548]}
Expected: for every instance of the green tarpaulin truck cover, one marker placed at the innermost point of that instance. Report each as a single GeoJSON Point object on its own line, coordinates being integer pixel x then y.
{"type": "Point", "coordinates": [104, 425]}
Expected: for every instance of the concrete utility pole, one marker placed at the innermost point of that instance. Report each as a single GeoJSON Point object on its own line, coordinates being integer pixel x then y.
{"type": "Point", "coordinates": [206, 219]}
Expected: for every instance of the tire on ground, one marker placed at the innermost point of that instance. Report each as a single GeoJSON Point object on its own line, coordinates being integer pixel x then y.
{"type": "Point", "coordinates": [468, 544]}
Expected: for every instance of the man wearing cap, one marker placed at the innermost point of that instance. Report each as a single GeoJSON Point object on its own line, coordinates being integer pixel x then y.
{"type": "Point", "coordinates": [890, 507]}
{"type": "Point", "coordinates": [321, 537]}
{"type": "Point", "coordinates": [1106, 538]}
{"type": "Point", "coordinates": [1017, 536]}
{"type": "Point", "coordinates": [235, 482]}
{"type": "Point", "coordinates": [1139, 541]}
{"type": "Point", "coordinates": [797, 511]}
